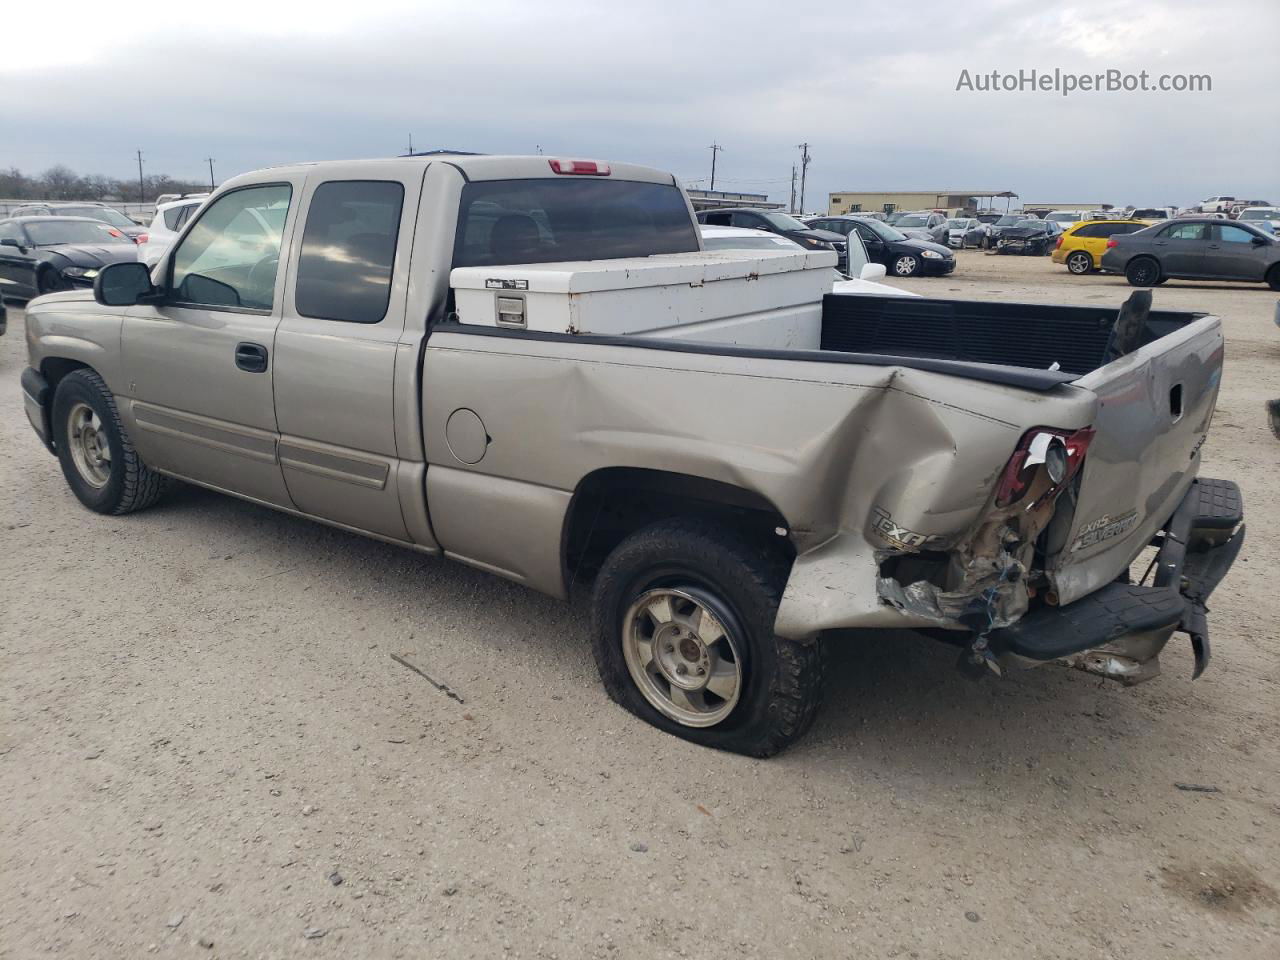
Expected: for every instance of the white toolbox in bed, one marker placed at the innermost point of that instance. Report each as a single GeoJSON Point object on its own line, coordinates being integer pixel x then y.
{"type": "Point", "coordinates": [742, 297]}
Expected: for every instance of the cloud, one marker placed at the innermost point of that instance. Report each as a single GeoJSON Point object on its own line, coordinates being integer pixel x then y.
{"type": "Point", "coordinates": [871, 90]}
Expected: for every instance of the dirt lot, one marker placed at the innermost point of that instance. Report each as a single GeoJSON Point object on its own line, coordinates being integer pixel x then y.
{"type": "Point", "coordinates": [207, 750]}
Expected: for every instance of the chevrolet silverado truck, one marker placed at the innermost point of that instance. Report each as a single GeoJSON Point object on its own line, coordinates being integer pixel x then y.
{"type": "Point", "coordinates": [529, 365]}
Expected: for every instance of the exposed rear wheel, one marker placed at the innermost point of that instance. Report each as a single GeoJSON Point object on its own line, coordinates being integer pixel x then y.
{"type": "Point", "coordinates": [98, 460]}
{"type": "Point", "coordinates": [1142, 272]}
{"type": "Point", "coordinates": [683, 616]}
{"type": "Point", "coordinates": [1080, 262]}
{"type": "Point", "coordinates": [1273, 277]}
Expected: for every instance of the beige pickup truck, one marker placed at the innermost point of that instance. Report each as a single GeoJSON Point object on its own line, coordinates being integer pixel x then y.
{"type": "Point", "coordinates": [531, 366]}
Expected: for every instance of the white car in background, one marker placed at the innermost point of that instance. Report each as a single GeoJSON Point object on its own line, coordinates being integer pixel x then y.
{"type": "Point", "coordinates": [1065, 218]}
{"type": "Point", "coordinates": [739, 238]}
{"type": "Point", "coordinates": [1268, 218]}
{"type": "Point", "coordinates": [168, 222]}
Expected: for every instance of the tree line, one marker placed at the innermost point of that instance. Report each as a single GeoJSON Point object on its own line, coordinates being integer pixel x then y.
{"type": "Point", "coordinates": [63, 183]}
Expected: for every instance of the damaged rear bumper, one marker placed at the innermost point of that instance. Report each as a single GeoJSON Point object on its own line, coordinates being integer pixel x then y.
{"type": "Point", "coordinates": [1120, 630]}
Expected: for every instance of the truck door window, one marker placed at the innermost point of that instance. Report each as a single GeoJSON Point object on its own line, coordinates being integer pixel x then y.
{"type": "Point", "coordinates": [348, 250]}
{"type": "Point", "coordinates": [230, 257]}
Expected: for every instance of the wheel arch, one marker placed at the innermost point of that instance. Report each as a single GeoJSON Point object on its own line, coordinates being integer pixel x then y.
{"type": "Point", "coordinates": [54, 369]}
{"type": "Point", "coordinates": [611, 503]}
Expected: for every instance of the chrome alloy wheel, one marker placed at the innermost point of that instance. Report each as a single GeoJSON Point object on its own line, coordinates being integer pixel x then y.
{"type": "Point", "coordinates": [905, 266]}
{"type": "Point", "coordinates": [90, 451]}
{"type": "Point", "coordinates": [682, 656]}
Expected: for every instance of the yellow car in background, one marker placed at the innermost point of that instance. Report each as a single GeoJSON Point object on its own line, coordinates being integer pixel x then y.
{"type": "Point", "coordinates": [1082, 245]}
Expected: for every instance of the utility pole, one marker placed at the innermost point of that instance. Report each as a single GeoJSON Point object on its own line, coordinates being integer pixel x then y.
{"type": "Point", "coordinates": [791, 207]}
{"type": "Point", "coordinates": [212, 186]}
{"type": "Point", "coordinates": [410, 153]}
{"type": "Point", "coordinates": [715, 148]}
{"type": "Point", "coordinates": [804, 169]}
{"type": "Point", "coordinates": [141, 189]}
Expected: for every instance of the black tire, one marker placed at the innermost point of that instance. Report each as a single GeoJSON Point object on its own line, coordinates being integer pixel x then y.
{"type": "Point", "coordinates": [1080, 262]}
{"type": "Point", "coordinates": [1273, 277]}
{"type": "Point", "coordinates": [49, 280]}
{"type": "Point", "coordinates": [1142, 272]}
{"type": "Point", "coordinates": [130, 484]}
{"type": "Point", "coordinates": [905, 265]}
{"type": "Point", "coordinates": [781, 682]}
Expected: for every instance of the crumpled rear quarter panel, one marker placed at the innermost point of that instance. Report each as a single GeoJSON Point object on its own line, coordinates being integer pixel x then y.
{"type": "Point", "coordinates": [826, 444]}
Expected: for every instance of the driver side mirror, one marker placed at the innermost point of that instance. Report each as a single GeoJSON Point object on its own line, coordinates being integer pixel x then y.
{"type": "Point", "coordinates": [124, 285]}
{"type": "Point", "coordinates": [872, 271]}
{"type": "Point", "coordinates": [13, 242]}
{"type": "Point", "coordinates": [1260, 241]}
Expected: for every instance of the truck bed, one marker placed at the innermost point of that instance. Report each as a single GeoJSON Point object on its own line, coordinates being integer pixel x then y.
{"type": "Point", "coordinates": [1028, 335]}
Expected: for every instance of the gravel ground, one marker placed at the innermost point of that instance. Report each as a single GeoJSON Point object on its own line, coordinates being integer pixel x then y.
{"type": "Point", "coordinates": [206, 749]}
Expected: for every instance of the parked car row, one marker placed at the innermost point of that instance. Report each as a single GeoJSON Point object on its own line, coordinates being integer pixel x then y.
{"type": "Point", "coordinates": [93, 211]}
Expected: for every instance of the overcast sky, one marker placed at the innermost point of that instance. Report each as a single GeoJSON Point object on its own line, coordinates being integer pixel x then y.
{"type": "Point", "coordinates": [870, 86]}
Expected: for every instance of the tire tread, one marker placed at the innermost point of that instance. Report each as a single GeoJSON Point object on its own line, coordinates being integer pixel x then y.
{"type": "Point", "coordinates": [141, 486]}
{"type": "Point", "coordinates": [796, 686]}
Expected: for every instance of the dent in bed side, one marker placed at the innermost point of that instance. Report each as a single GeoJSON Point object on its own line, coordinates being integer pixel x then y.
{"type": "Point", "coordinates": [834, 447]}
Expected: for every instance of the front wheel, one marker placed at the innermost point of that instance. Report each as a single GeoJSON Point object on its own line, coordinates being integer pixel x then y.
{"type": "Point", "coordinates": [683, 613]}
{"type": "Point", "coordinates": [1080, 262]}
{"type": "Point", "coordinates": [49, 281]}
{"type": "Point", "coordinates": [98, 460]}
{"type": "Point", "coordinates": [906, 266]}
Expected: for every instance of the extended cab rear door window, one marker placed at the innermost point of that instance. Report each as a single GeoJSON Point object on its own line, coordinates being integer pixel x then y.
{"type": "Point", "coordinates": [349, 250]}
{"type": "Point", "coordinates": [570, 218]}
{"type": "Point", "coordinates": [231, 255]}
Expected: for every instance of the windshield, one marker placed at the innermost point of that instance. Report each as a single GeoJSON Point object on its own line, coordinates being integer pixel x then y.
{"type": "Point", "coordinates": [105, 214]}
{"type": "Point", "coordinates": [49, 230]}
{"type": "Point", "coordinates": [1260, 214]}
{"type": "Point", "coordinates": [569, 218]}
{"type": "Point", "coordinates": [749, 243]}
{"type": "Point", "coordinates": [913, 221]}
{"type": "Point", "coordinates": [958, 224]}
{"type": "Point", "coordinates": [1038, 225]}
{"type": "Point", "coordinates": [780, 221]}
{"type": "Point", "coordinates": [1008, 220]}
{"type": "Point", "coordinates": [883, 230]}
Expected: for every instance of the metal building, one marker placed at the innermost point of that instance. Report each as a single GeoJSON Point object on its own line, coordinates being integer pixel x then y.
{"type": "Point", "coordinates": [710, 199]}
{"type": "Point", "coordinates": [887, 201]}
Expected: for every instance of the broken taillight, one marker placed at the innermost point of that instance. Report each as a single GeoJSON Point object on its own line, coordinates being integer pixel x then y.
{"type": "Point", "coordinates": [1036, 452]}
{"type": "Point", "coordinates": [1112, 243]}
{"type": "Point", "coordinates": [589, 168]}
